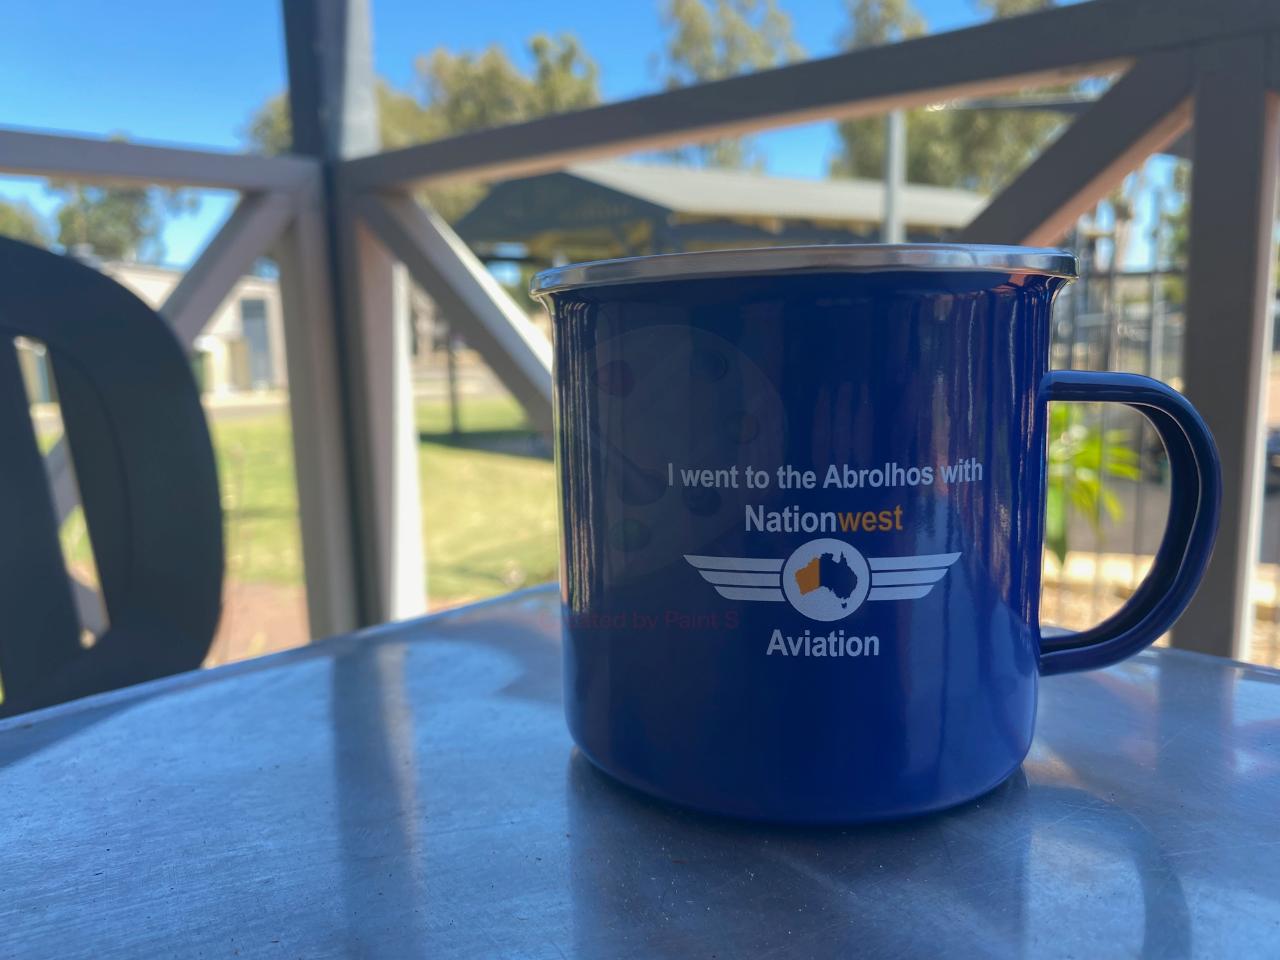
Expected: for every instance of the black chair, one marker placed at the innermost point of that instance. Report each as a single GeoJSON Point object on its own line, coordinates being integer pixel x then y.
{"type": "Point", "coordinates": [148, 485]}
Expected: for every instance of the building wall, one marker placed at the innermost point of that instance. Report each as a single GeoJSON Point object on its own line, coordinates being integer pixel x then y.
{"type": "Point", "coordinates": [226, 366]}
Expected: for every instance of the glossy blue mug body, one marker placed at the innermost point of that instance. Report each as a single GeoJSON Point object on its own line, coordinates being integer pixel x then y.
{"type": "Point", "coordinates": [802, 498]}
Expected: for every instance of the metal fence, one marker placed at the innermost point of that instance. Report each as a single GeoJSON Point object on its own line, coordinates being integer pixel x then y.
{"type": "Point", "coordinates": [1134, 321]}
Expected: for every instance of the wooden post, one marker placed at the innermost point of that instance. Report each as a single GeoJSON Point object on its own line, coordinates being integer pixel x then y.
{"type": "Point", "coordinates": [493, 324]}
{"type": "Point", "coordinates": [1227, 346]}
{"type": "Point", "coordinates": [319, 441]}
{"type": "Point", "coordinates": [333, 103]}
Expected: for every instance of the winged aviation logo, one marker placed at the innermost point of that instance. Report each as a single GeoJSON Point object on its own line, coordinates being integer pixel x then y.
{"type": "Point", "coordinates": [824, 579]}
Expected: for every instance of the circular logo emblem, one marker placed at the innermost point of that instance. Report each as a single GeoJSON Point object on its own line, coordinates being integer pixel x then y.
{"type": "Point", "coordinates": [826, 579]}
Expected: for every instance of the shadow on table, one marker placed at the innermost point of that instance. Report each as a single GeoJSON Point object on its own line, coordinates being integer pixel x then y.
{"type": "Point", "coordinates": [381, 704]}
{"type": "Point", "coordinates": [1194, 753]}
{"type": "Point", "coordinates": [382, 852]}
{"type": "Point", "coordinates": [653, 880]}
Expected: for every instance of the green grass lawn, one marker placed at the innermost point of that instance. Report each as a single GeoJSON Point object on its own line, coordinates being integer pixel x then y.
{"type": "Point", "coordinates": [489, 517]}
{"type": "Point", "coordinates": [489, 514]}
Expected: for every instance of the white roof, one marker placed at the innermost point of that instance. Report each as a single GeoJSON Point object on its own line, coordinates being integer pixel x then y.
{"type": "Point", "coordinates": [735, 193]}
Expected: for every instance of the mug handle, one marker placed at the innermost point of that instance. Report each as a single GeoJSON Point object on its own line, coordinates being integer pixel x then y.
{"type": "Point", "coordinates": [1187, 544]}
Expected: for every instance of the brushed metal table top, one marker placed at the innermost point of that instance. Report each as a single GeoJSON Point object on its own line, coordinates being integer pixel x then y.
{"type": "Point", "coordinates": [411, 791]}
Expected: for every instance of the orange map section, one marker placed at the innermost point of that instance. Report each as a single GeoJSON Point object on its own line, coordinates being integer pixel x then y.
{"type": "Point", "coordinates": [809, 577]}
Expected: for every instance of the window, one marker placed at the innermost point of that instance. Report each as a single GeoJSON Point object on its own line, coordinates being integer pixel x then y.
{"type": "Point", "coordinates": [257, 340]}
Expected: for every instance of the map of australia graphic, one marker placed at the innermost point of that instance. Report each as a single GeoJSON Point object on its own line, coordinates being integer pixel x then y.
{"type": "Point", "coordinates": [831, 571]}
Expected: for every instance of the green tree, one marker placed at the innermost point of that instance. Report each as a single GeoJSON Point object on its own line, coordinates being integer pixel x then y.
{"type": "Point", "coordinates": [1081, 460]}
{"type": "Point", "coordinates": [714, 39]}
{"type": "Point", "coordinates": [457, 93]}
{"type": "Point", "coordinates": [468, 91]}
{"type": "Point", "coordinates": [402, 121]}
{"type": "Point", "coordinates": [118, 223]}
{"type": "Point", "coordinates": [974, 149]}
{"type": "Point", "coordinates": [474, 91]}
{"type": "Point", "coordinates": [999, 9]}
{"type": "Point", "coordinates": [19, 220]}
{"type": "Point", "coordinates": [873, 23]}
{"type": "Point", "coordinates": [1178, 221]}
{"type": "Point", "coordinates": [270, 129]}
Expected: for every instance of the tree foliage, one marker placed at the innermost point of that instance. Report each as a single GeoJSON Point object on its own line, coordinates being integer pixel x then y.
{"type": "Point", "coordinates": [19, 220]}
{"type": "Point", "coordinates": [1178, 221]}
{"type": "Point", "coordinates": [458, 93]}
{"type": "Point", "coordinates": [1000, 9]}
{"type": "Point", "coordinates": [117, 223]}
{"type": "Point", "coordinates": [1082, 458]}
{"type": "Point", "coordinates": [714, 39]}
{"type": "Point", "coordinates": [973, 149]}
{"type": "Point", "coordinates": [469, 91]}
{"type": "Point", "coordinates": [401, 122]}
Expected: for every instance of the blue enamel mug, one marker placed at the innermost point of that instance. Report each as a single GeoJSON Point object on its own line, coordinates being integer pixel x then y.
{"type": "Point", "coordinates": [802, 496]}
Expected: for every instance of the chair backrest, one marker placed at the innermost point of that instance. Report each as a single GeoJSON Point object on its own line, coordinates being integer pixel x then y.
{"type": "Point", "coordinates": [148, 485]}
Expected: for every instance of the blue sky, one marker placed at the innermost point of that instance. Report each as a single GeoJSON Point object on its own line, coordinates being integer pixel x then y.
{"type": "Point", "coordinates": [192, 73]}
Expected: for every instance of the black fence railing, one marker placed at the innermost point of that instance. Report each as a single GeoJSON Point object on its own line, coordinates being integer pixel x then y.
{"type": "Point", "coordinates": [1133, 321]}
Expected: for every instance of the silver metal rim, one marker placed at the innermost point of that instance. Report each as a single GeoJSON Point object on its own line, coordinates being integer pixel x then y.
{"type": "Point", "coordinates": [832, 258]}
